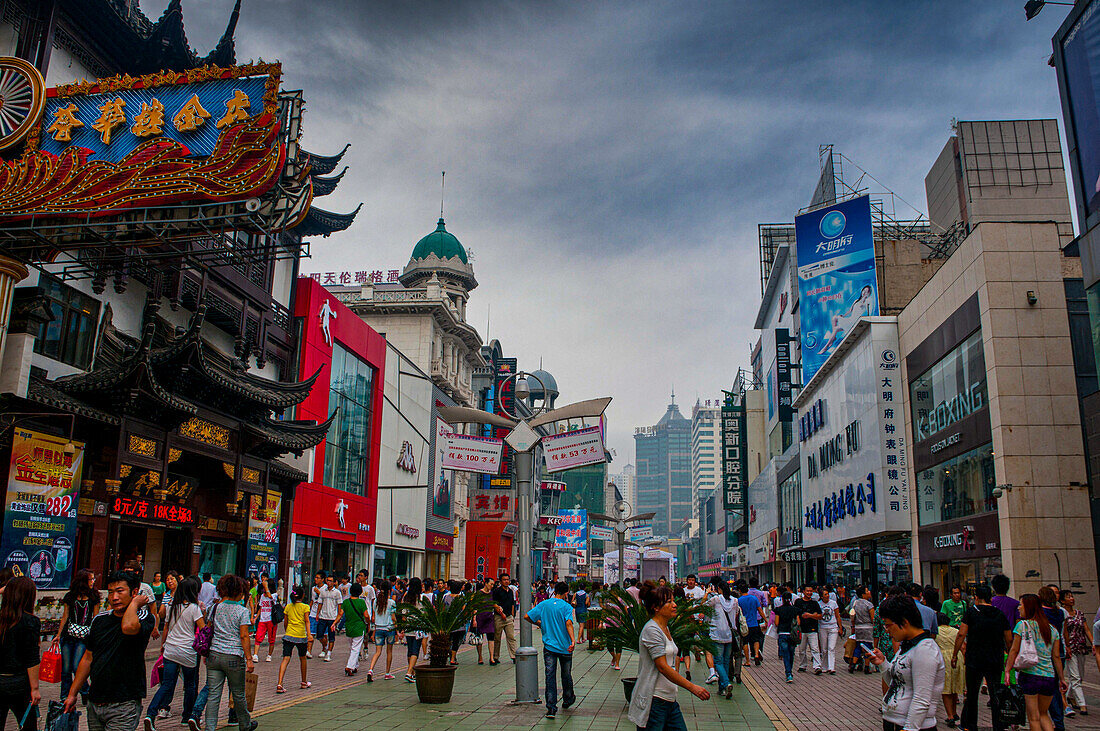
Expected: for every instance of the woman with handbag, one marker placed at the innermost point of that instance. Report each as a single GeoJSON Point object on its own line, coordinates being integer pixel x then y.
{"type": "Point", "coordinates": [178, 652]}
{"type": "Point", "coordinates": [80, 604]}
{"type": "Point", "coordinates": [1077, 633]}
{"type": "Point", "coordinates": [19, 660]}
{"type": "Point", "coordinates": [1036, 656]}
{"type": "Point", "coordinates": [230, 655]}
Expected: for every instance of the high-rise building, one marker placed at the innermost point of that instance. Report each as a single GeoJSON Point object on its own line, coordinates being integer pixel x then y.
{"type": "Point", "coordinates": [706, 455]}
{"type": "Point", "coordinates": [662, 456]}
{"type": "Point", "coordinates": [626, 481]}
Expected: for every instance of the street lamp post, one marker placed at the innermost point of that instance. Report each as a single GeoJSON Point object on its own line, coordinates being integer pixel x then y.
{"type": "Point", "coordinates": [622, 528]}
{"type": "Point", "coordinates": [523, 439]}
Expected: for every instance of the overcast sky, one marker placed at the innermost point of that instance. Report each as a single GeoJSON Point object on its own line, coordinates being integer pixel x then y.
{"type": "Point", "coordinates": [607, 163]}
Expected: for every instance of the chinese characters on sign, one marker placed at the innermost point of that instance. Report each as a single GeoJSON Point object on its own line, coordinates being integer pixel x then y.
{"type": "Point", "coordinates": [262, 553]}
{"type": "Point", "coordinates": [473, 454]}
{"type": "Point", "coordinates": [347, 279]}
{"type": "Point", "coordinates": [126, 507]}
{"type": "Point", "coordinates": [783, 374]}
{"type": "Point", "coordinates": [573, 449]}
{"type": "Point", "coordinates": [572, 534]}
{"type": "Point", "coordinates": [894, 452]}
{"type": "Point", "coordinates": [734, 457]}
{"type": "Point", "coordinates": [491, 504]}
{"type": "Point", "coordinates": [40, 516]}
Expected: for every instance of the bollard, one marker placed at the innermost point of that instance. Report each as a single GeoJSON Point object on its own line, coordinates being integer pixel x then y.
{"type": "Point", "coordinates": [527, 675]}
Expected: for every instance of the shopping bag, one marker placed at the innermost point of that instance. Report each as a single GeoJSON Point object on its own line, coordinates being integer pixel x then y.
{"type": "Point", "coordinates": [49, 670]}
{"type": "Point", "coordinates": [58, 720]}
{"type": "Point", "coordinates": [154, 676]}
{"type": "Point", "coordinates": [474, 639]}
{"type": "Point", "coordinates": [850, 650]}
{"type": "Point", "coordinates": [251, 681]}
{"type": "Point", "coordinates": [772, 632]}
{"type": "Point", "coordinates": [1008, 706]}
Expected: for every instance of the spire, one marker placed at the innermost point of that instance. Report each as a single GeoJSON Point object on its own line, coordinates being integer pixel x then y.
{"type": "Point", "coordinates": [674, 395]}
{"type": "Point", "coordinates": [225, 53]}
{"type": "Point", "coordinates": [442, 190]}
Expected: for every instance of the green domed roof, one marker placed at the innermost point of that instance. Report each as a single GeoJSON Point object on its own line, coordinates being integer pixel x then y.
{"type": "Point", "coordinates": [441, 243]}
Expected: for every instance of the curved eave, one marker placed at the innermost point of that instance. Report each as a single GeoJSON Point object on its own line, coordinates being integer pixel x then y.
{"type": "Point", "coordinates": [319, 222]}
{"type": "Point", "coordinates": [324, 186]}
{"type": "Point", "coordinates": [40, 392]}
{"type": "Point", "coordinates": [279, 437]}
{"type": "Point", "coordinates": [324, 164]}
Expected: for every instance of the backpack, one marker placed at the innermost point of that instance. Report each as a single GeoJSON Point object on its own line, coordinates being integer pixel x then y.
{"type": "Point", "coordinates": [278, 613]}
{"type": "Point", "coordinates": [205, 635]}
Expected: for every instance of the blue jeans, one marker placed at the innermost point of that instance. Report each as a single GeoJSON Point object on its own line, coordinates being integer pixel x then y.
{"type": "Point", "coordinates": [722, 663]}
{"type": "Point", "coordinates": [665, 716]}
{"type": "Point", "coordinates": [222, 668]}
{"type": "Point", "coordinates": [552, 659]}
{"type": "Point", "coordinates": [169, 674]}
{"type": "Point", "coordinates": [71, 652]}
{"type": "Point", "coordinates": [200, 703]}
{"type": "Point", "coordinates": [786, 652]}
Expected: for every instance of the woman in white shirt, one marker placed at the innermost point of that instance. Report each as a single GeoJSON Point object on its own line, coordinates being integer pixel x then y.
{"type": "Point", "coordinates": [384, 632]}
{"type": "Point", "coordinates": [184, 616]}
{"type": "Point", "coordinates": [653, 703]}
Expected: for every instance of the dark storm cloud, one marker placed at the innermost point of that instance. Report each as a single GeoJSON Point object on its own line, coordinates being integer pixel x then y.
{"type": "Point", "coordinates": [609, 162]}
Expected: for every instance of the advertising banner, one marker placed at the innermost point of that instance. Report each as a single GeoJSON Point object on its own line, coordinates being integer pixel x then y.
{"type": "Point", "coordinates": [573, 449]}
{"type": "Point", "coordinates": [40, 515]}
{"type": "Point", "coordinates": [639, 532]}
{"type": "Point", "coordinates": [552, 486]}
{"type": "Point", "coordinates": [262, 553]}
{"type": "Point", "coordinates": [837, 284]}
{"type": "Point", "coordinates": [1079, 71]}
{"type": "Point", "coordinates": [472, 454]}
{"type": "Point", "coordinates": [442, 478]}
{"type": "Point", "coordinates": [572, 533]}
{"type": "Point", "coordinates": [601, 533]}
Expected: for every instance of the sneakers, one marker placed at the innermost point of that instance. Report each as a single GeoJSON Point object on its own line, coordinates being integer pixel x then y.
{"type": "Point", "coordinates": [256, 658]}
{"type": "Point", "coordinates": [687, 674]}
{"type": "Point", "coordinates": [1069, 712]}
{"type": "Point", "coordinates": [817, 671]}
{"type": "Point", "coordinates": [551, 714]}
{"type": "Point", "coordinates": [387, 676]}
{"type": "Point", "coordinates": [192, 724]}
{"type": "Point", "coordinates": [802, 670]}
{"type": "Point", "coordinates": [327, 656]}
{"type": "Point", "coordinates": [370, 676]}
{"type": "Point", "coordinates": [713, 678]}
{"type": "Point", "coordinates": [729, 692]}
{"type": "Point", "coordinates": [790, 678]}
{"type": "Point", "coordinates": [565, 704]}
{"type": "Point", "coordinates": [163, 713]}
{"type": "Point", "coordinates": [148, 724]}
{"type": "Point", "coordinates": [410, 678]}
{"type": "Point", "coordinates": [269, 658]}
{"type": "Point", "coordinates": [309, 655]}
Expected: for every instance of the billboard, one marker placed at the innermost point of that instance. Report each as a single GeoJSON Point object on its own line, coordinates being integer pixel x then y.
{"type": "Point", "coordinates": [1077, 58]}
{"type": "Point", "coordinates": [572, 533]}
{"type": "Point", "coordinates": [262, 553]}
{"type": "Point", "coordinates": [40, 515]}
{"type": "Point", "coordinates": [836, 276]}
{"type": "Point", "coordinates": [441, 478]}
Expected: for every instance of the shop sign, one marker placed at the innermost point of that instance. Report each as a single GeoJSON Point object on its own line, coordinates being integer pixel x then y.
{"type": "Point", "coordinates": [550, 486]}
{"type": "Point", "coordinates": [785, 401]}
{"type": "Point", "coordinates": [473, 454]}
{"type": "Point", "coordinates": [440, 542]}
{"type": "Point", "coordinates": [601, 533]}
{"type": "Point", "coordinates": [734, 457]}
{"type": "Point", "coordinates": [510, 530]}
{"type": "Point", "coordinates": [551, 520]}
{"type": "Point", "coordinates": [797, 556]}
{"type": "Point", "coordinates": [501, 482]}
{"type": "Point", "coordinates": [491, 505]}
{"type": "Point", "coordinates": [849, 502]}
{"type": "Point", "coordinates": [405, 460]}
{"type": "Point", "coordinates": [262, 551]}
{"type": "Point", "coordinates": [39, 527]}
{"type": "Point", "coordinates": [573, 449]}
{"type": "Point", "coordinates": [950, 411]}
{"type": "Point", "coordinates": [833, 450]}
{"type": "Point", "coordinates": [572, 533]}
{"type": "Point", "coordinates": [946, 442]}
{"type": "Point", "coordinates": [639, 532]}
{"type": "Point", "coordinates": [810, 422]}
{"type": "Point", "coordinates": [441, 478]}
{"type": "Point", "coordinates": [127, 507]}
{"type": "Point", "coordinates": [408, 531]}
{"type": "Point", "coordinates": [977, 536]}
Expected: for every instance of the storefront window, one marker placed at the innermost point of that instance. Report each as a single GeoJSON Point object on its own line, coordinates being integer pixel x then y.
{"type": "Point", "coordinates": [957, 488]}
{"type": "Point", "coordinates": [305, 552]}
{"type": "Point", "coordinates": [1094, 318]}
{"type": "Point", "coordinates": [70, 336]}
{"type": "Point", "coordinates": [790, 511]}
{"type": "Point", "coordinates": [347, 446]}
{"type": "Point", "coordinates": [218, 558]}
{"type": "Point", "coordinates": [392, 562]}
{"type": "Point", "coordinates": [950, 390]}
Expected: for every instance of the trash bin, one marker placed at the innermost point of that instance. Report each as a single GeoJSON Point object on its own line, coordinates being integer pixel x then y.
{"type": "Point", "coordinates": [527, 675]}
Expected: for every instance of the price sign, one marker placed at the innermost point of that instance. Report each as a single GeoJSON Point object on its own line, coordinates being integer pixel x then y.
{"type": "Point", "coordinates": [573, 449]}
{"type": "Point", "coordinates": [126, 507]}
{"type": "Point", "coordinates": [472, 454]}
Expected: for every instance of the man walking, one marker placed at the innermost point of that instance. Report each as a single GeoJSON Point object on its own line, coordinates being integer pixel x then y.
{"type": "Point", "coordinates": [207, 592]}
{"type": "Point", "coordinates": [555, 618]}
{"type": "Point", "coordinates": [754, 615]}
{"type": "Point", "coordinates": [809, 614]}
{"type": "Point", "coordinates": [330, 599]}
{"type": "Point", "coordinates": [954, 607]}
{"type": "Point", "coordinates": [503, 618]}
{"type": "Point", "coordinates": [927, 613]}
{"type": "Point", "coordinates": [828, 629]}
{"type": "Point", "coordinates": [985, 632]}
{"type": "Point", "coordinates": [114, 658]}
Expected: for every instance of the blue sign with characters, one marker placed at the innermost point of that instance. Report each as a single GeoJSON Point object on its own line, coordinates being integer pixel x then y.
{"type": "Point", "coordinates": [837, 284]}
{"type": "Point", "coordinates": [572, 534]}
{"type": "Point", "coordinates": [113, 124]}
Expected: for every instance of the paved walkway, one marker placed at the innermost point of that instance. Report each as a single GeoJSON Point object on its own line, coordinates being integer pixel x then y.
{"type": "Point", "coordinates": [483, 698]}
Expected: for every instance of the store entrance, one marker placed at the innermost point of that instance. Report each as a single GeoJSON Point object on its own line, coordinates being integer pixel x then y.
{"type": "Point", "coordinates": [158, 549]}
{"type": "Point", "coordinates": [217, 558]}
{"type": "Point", "coordinates": [335, 556]}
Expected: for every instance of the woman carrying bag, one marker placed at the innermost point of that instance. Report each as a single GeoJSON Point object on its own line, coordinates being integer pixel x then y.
{"type": "Point", "coordinates": [1035, 655]}
{"type": "Point", "coordinates": [653, 705]}
{"type": "Point", "coordinates": [724, 630]}
{"type": "Point", "coordinates": [81, 604]}
{"type": "Point", "coordinates": [177, 649]}
{"type": "Point", "coordinates": [19, 659]}
{"type": "Point", "coordinates": [354, 610]}
{"type": "Point", "coordinates": [230, 655]}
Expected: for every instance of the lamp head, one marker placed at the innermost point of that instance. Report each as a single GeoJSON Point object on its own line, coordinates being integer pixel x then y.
{"type": "Point", "coordinates": [523, 388]}
{"type": "Point", "coordinates": [1032, 8]}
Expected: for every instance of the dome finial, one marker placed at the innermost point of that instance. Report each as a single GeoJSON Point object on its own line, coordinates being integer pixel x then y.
{"type": "Point", "coordinates": [442, 189]}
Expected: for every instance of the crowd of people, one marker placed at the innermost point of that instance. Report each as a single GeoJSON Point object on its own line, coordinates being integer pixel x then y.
{"type": "Point", "coordinates": [929, 652]}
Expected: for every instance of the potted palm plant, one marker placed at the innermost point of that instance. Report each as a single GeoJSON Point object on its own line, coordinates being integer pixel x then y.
{"type": "Point", "coordinates": [621, 619]}
{"type": "Point", "coordinates": [437, 619]}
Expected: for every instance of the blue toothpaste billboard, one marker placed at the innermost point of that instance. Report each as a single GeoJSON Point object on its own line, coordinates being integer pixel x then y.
{"type": "Point", "coordinates": [836, 277]}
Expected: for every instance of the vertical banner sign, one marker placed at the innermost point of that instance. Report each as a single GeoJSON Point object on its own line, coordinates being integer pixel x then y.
{"type": "Point", "coordinates": [40, 515]}
{"type": "Point", "coordinates": [895, 455]}
{"type": "Point", "coordinates": [572, 534]}
{"type": "Point", "coordinates": [784, 399]}
{"type": "Point", "coordinates": [734, 461]}
{"type": "Point", "coordinates": [441, 478]}
{"type": "Point", "coordinates": [262, 555]}
{"type": "Point", "coordinates": [837, 282]}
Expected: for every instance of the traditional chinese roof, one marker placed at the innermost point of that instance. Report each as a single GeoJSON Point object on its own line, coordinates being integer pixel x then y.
{"type": "Point", "coordinates": [134, 44]}
{"type": "Point", "coordinates": [170, 378]}
{"type": "Point", "coordinates": [323, 164]}
{"type": "Point", "coordinates": [319, 222]}
{"type": "Point", "coordinates": [324, 186]}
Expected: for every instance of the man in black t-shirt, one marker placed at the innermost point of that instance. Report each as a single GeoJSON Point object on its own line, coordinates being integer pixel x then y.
{"type": "Point", "coordinates": [114, 659]}
{"type": "Point", "coordinates": [985, 632]}
{"type": "Point", "coordinates": [809, 612]}
{"type": "Point", "coordinates": [503, 623]}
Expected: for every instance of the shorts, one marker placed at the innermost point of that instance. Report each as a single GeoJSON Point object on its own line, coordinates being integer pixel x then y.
{"type": "Point", "coordinates": [313, 626]}
{"type": "Point", "coordinates": [457, 638]}
{"type": "Point", "coordinates": [325, 627]}
{"type": "Point", "coordinates": [414, 644]}
{"type": "Point", "coordinates": [582, 617]}
{"type": "Point", "coordinates": [682, 653]}
{"type": "Point", "coordinates": [1037, 684]}
{"type": "Point", "coordinates": [288, 648]}
{"type": "Point", "coordinates": [755, 635]}
{"type": "Point", "coordinates": [385, 636]}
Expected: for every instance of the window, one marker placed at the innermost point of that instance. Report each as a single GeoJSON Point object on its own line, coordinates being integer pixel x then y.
{"type": "Point", "coordinates": [950, 390]}
{"type": "Point", "coordinates": [347, 446]}
{"type": "Point", "coordinates": [70, 336]}
{"type": "Point", "coordinates": [958, 487]}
